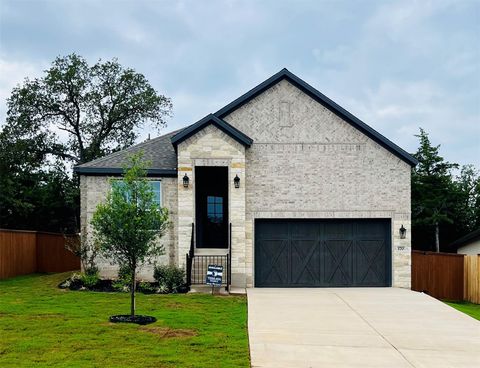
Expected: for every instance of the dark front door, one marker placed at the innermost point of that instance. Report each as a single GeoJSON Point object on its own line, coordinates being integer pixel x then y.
{"type": "Point", "coordinates": [328, 253]}
{"type": "Point", "coordinates": [211, 204]}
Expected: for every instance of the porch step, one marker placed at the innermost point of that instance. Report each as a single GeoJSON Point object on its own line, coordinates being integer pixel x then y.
{"type": "Point", "coordinates": [206, 289]}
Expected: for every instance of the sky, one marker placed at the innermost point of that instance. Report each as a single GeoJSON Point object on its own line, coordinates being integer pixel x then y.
{"type": "Point", "coordinates": [396, 65]}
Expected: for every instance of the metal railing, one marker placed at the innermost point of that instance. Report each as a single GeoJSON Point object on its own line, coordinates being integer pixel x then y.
{"type": "Point", "coordinates": [189, 258]}
{"type": "Point", "coordinates": [200, 264]}
{"type": "Point", "coordinates": [196, 265]}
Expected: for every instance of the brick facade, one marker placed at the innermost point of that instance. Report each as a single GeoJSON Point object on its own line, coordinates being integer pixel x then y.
{"type": "Point", "coordinates": [93, 190]}
{"type": "Point", "coordinates": [305, 162]}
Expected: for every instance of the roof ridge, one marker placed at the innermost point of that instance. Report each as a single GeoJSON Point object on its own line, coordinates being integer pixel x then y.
{"type": "Point", "coordinates": [219, 123]}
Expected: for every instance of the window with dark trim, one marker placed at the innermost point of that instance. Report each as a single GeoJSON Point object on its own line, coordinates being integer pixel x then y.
{"type": "Point", "coordinates": [215, 209]}
{"type": "Point", "coordinates": [156, 189]}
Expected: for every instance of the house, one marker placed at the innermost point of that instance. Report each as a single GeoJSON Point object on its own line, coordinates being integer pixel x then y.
{"type": "Point", "coordinates": [468, 244]}
{"type": "Point", "coordinates": [283, 184]}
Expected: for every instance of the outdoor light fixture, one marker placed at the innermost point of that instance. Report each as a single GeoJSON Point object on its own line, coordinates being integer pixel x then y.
{"type": "Point", "coordinates": [403, 232]}
{"type": "Point", "coordinates": [186, 180]}
{"type": "Point", "coordinates": [236, 181]}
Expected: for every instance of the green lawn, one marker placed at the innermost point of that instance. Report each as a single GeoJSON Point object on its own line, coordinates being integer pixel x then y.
{"type": "Point", "coordinates": [43, 326]}
{"type": "Point", "coordinates": [473, 310]}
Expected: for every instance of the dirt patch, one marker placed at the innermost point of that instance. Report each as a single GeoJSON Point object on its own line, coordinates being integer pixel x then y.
{"type": "Point", "coordinates": [174, 305]}
{"type": "Point", "coordinates": [168, 333]}
{"type": "Point", "coordinates": [45, 316]}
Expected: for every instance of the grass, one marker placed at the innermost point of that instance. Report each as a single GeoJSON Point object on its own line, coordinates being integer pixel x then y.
{"type": "Point", "coordinates": [473, 310]}
{"type": "Point", "coordinates": [43, 326]}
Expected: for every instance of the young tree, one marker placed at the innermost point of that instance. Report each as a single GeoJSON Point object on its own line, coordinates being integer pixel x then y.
{"type": "Point", "coordinates": [128, 224]}
{"type": "Point", "coordinates": [433, 190]}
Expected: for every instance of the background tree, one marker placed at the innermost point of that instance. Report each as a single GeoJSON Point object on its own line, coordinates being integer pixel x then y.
{"type": "Point", "coordinates": [72, 114]}
{"type": "Point", "coordinates": [100, 108]}
{"type": "Point", "coordinates": [33, 195]}
{"type": "Point", "coordinates": [433, 190]}
{"type": "Point", "coordinates": [129, 222]}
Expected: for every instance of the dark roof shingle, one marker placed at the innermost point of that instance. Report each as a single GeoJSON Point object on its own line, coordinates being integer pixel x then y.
{"type": "Point", "coordinates": [158, 150]}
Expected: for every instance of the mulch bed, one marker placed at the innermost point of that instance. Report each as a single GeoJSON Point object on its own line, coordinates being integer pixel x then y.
{"type": "Point", "coordinates": [127, 318]}
{"type": "Point", "coordinates": [108, 287]}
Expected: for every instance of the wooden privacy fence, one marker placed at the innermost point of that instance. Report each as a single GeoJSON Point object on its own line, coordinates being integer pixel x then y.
{"type": "Point", "coordinates": [24, 252]}
{"type": "Point", "coordinates": [472, 279]}
{"type": "Point", "coordinates": [440, 275]}
{"type": "Point", "coordinates": [447, 276]}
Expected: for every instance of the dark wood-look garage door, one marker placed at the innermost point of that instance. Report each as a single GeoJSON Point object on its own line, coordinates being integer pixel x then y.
{"type": "Point", "coordinates": [322, 253]}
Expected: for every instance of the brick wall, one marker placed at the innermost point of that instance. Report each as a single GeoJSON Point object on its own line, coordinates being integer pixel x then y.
{"type": "Point", "coordinates": [306, 162]}
{"type": "Point", "coordinates": [94, 189]}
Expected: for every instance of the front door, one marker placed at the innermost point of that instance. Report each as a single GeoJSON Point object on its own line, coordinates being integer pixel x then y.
{"type": "Point", "coordinates": [211, 204]}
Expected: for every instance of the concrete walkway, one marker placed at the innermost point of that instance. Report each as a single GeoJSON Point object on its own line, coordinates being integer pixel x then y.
{"type": "Point", "coordinates": [351, 327]}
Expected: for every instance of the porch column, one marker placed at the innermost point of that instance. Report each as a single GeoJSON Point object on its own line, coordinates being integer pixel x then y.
{"type": "Point", "coordinates": [237, 219]}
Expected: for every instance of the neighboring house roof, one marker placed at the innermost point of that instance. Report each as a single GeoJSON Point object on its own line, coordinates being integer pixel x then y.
{"type": "Point", "coordinates": [467, 239]}
{"type": "Point", "coordinates": [161, 150]}
{"type": "Point", "coordinates": [219, 123]}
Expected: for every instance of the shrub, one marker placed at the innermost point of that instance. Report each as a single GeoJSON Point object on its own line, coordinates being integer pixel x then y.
{"type": "Point", "coordinates": [91, 270]}
{"type": "Point", "coordinates": [169, 278]}
{"type": "Point", "coordinates": [90, 279]}
{"type": "Point", "coordinates": [146, 287]}
{"type": "Point", "coordinates": [124, 279]}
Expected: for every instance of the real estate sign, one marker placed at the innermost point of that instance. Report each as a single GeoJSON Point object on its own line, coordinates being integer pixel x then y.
{"type": "Point", "coordinates": [214, 275]}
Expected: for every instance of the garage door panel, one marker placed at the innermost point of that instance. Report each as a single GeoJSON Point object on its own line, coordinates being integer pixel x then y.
{"type": "Point", "coordinates": [338, 262]}
{"type": "Point", "coordinates": [305, 262]}
{"type": "Point", "coordinates": [370, 267]}
{"type": "Point", "coordinates": [336, 230]}
{"type": "Point", "coordinates": [272, 230]}
{"type": "Point", "coordinates": [274, 257]}
{"type": "Point", "coordinates": [348, 252]}
{"type": "Point", "coordinates": [303, 230]}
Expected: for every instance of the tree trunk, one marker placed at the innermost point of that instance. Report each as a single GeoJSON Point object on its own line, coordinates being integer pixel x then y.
{"type": "Point", "coordinates": [437, 238]}
{"type": "Point", "coordinates": [132, 294]}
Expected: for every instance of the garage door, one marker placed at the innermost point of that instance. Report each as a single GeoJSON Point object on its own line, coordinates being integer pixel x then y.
{"type": "Point", "coordinates": [323, 253]}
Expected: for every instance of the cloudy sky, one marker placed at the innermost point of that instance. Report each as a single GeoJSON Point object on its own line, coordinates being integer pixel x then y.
{"type": "Point", "coordinates": [397, 65]}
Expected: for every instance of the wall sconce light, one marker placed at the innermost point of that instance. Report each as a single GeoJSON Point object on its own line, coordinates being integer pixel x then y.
{"type": "Point", "coordinates": [403, 232]}
{"type": "Point", "coordinates": [186, 180]}
{"type": "Point", "coordinates": [236, 181]}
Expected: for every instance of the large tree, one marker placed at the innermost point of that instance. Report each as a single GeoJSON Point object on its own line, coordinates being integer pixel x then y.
{"type": "Point", "coordinates": [74, 113]}
{"type": "Point", "coordinates": [99, 108]}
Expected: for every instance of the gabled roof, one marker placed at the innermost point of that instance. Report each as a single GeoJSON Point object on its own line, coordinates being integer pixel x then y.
{"type": "Point", "coordinates": [466, 239]}
{"type": "Point", "coordinates": [219, 123]}
{"type": "Point", "coordinates": [161, 150]}
{"type": "Point", "coordinates": [325, 101]}
{"type": "Point", "coordinates": [158, 150]}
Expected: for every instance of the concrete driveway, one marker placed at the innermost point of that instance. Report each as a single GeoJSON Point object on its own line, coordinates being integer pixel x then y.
{"type": "Point", "coordinates": [358, 327]}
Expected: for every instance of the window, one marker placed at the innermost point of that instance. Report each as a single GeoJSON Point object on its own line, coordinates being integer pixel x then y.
{"type": "Point", "coordinates": [215, 209]}
{"type": "Point", "coordinates": [156, 188]}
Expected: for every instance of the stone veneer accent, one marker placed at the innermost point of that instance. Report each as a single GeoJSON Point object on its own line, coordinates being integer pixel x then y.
{"type": "Point", "coordinates": [318, 166]}
{"type": "Point", "coordinates": [94, 189]}
{"type": "Point", "coordinates": [212, 147]}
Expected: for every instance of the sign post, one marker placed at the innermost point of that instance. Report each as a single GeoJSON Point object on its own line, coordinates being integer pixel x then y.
{"type": "Point", "coordinates": [214, 276]}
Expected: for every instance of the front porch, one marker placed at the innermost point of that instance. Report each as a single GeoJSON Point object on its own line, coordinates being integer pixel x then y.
{"type": "Point", "coordinates": [211, 202]}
